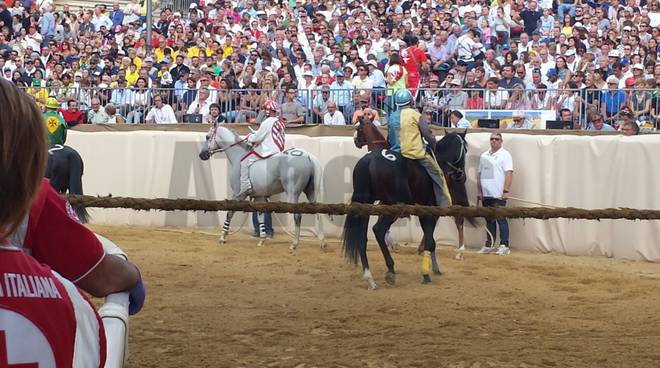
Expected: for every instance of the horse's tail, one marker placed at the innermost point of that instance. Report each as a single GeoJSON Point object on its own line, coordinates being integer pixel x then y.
{"type": "Point", "coordinates": [76, 169]}
{"type": "Point", "coordinates": [314, 193]}
{"type": "Point", "coordinates": [355, 226]}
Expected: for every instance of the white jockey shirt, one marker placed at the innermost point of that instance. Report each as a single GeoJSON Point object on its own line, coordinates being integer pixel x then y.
{"type": "Point", "coordinates": [269, 139]}
{"type": "Point", "coordinates": [492, 171]}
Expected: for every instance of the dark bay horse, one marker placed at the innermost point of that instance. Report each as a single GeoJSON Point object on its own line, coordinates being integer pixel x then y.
{"type": "Point", "coordinates": [65, 171]}
{"type": "Point", "coordinates": [385, 176]}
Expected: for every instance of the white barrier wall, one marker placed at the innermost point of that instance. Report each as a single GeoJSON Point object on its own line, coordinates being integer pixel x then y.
{"type": "Point", "coordinates": [560, 170]}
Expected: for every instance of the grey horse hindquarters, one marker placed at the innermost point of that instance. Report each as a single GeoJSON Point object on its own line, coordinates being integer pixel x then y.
{"type": "Point", "coordinates": [282, 172]}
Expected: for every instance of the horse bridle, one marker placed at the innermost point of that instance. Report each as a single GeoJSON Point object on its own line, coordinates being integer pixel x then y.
{"type": "Point", "coordinates": [457, 171]}
{"type": "Point", "coordinates": [214, 133]}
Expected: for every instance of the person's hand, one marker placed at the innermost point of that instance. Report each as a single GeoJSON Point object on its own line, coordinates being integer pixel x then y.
{"type": "Point", "coordinates": [480, 197]}
{"type": "Point", "coordinates": [505, 195]}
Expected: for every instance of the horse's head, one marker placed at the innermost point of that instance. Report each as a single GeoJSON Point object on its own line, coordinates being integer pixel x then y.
{"type": "Point", "coordinates": [219, 139]}
{"type": "Point", "coordinates": [451, 151]}
{"type": "Point", "coordinates": [358, 137]}
{"type": "Point", "coordinates": [367, 133]}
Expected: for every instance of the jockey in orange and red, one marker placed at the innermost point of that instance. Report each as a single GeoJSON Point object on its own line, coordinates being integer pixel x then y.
{"type": "Point", "coordinates": [266, 141]}
{"type": "Point", "coordinates": [414, 59]}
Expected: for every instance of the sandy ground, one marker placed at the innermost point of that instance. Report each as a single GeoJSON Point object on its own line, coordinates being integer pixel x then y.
{"type": "Point", "coordinates": [241, 306]}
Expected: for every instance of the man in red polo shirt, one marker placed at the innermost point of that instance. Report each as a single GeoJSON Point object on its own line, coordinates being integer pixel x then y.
{"type": "Point", "coordinates": [72, 115]}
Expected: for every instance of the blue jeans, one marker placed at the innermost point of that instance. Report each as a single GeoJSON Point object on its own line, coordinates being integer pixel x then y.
{"type": "Point", "coordinates": [268, 223]}
{"type": "Point", "coordinates": [503, 223]}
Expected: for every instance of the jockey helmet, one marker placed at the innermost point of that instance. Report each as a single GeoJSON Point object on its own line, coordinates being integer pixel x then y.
{"type": "Point", "coordinates": [403, 97]}
{"type": "Point", "coordinates": [270, 105]}
{"type": "Point", "coordinates": [51, 103]}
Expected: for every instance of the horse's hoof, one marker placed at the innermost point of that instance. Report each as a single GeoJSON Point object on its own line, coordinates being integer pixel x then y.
{"type": "Point", "coordinates": [437, 272]}
{"type": "Point", "coordinates": [371, 286]}
{"type": "Point", "coordinates": [324, 247]}
{"type": "Point", "coordinates": [426, 280]}
{"type": "Point", "coordinates": [459, 256]}
{"type": "Point", "coordinates": [390, 278]}
{"type": "Point", "coordinates": [222, 241]}
{"type": "Point", "coordinates": [261, 243]}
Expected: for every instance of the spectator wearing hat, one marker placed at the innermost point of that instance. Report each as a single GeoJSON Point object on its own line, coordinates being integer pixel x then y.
{"type": "Point", "coordinates": [306, 88]}
{"type": "Point", "coordinates": [613, 99]}
{"type": "Point", "coordinates": [377, 79]}
{"type": "Point", "coordinates": [342, 94]}
{"type": "Point", "coordinates": [456, 99]}
{"type": "Point", "coordinates": [520, 121]}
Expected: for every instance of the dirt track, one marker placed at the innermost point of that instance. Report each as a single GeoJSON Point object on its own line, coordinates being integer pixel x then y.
{"type": "Point", "coordinates": [242, 306]}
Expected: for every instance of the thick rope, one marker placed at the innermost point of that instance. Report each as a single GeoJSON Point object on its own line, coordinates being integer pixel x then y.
{"type": "Point", "coordinates": [399, 210]}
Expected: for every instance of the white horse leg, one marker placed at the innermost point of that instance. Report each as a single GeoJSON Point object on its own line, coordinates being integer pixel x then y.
{"type": "Point", "coordinates": [262, 229]}
{"type": "Point", "coordinates": [321, 232]}
{"type": "Point", "coordinates": [225, 228]}
{"type": "Point", "coordinates": [369, 279]}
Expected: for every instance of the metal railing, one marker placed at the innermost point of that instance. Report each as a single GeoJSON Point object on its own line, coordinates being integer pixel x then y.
{"type": "Point", "coordinates": [244, 105]}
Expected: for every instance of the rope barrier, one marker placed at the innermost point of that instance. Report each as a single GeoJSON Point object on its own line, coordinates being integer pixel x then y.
{"type": "Point", "coordinates": [399, 210]}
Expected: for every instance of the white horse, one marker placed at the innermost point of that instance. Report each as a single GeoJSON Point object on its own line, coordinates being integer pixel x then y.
{"type": "Point", "coordinates": [293, 171]}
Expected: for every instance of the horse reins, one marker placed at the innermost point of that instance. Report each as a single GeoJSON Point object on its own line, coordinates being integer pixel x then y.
{"type": "Point", "coordinates": [212, 138]}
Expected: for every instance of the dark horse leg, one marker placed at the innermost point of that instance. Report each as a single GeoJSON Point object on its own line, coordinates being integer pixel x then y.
{"type": "Point", "coordinates": [380, 229]}
{"type": "Point", "coordinates": [428, 226]}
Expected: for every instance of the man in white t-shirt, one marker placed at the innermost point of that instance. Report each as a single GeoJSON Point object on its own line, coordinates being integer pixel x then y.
{"type": "Point", "coordinates": [494, 177]}
{"type": "Point", "coordinates": [161, 113]}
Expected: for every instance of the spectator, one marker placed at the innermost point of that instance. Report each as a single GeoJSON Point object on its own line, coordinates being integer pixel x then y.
{"type": "Point", "coordinates": [597, 124]}
{"type": "Point", "coordinates": [122, 97]}
{"type": "Point", "coordinates": [97, 114]}
{"type": "Point", "coordinates": [612, 99]}
{"type": "Point", "coordinates": [161, 113]}
{"type": "Point", "coordinates": [495, 97]}
{"type": "Point", "coordinates": [333, 116]}
{"type": "Point", "coordinates": [113, 116]}
{"type": "Point", "coordinates": [342, 94]}
{"type": "Point", "coordinates": [292, 111]}
{"type": "Point", "coordinates": [458, 120]}
{"type": "Point", "coordinates": [320, 104]}
{"type": "Point", "coordinates": [202, 104]}
{"type": "Point", "coordinates": [215, 117]}
{"type": "Point", "coordinates": [520, 121]}
{"type": "Point", "coordinates": [494, 177]}
{"type": "Point", "coordinates": [141, 97]}
{"type": "Point", "coordinates": [72, 115]}
{"type": "Point", "coordinates": [629, 128]}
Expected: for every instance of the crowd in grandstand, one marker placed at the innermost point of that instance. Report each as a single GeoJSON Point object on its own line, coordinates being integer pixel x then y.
{"type": "Point", "coordinates": [592, 62]}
